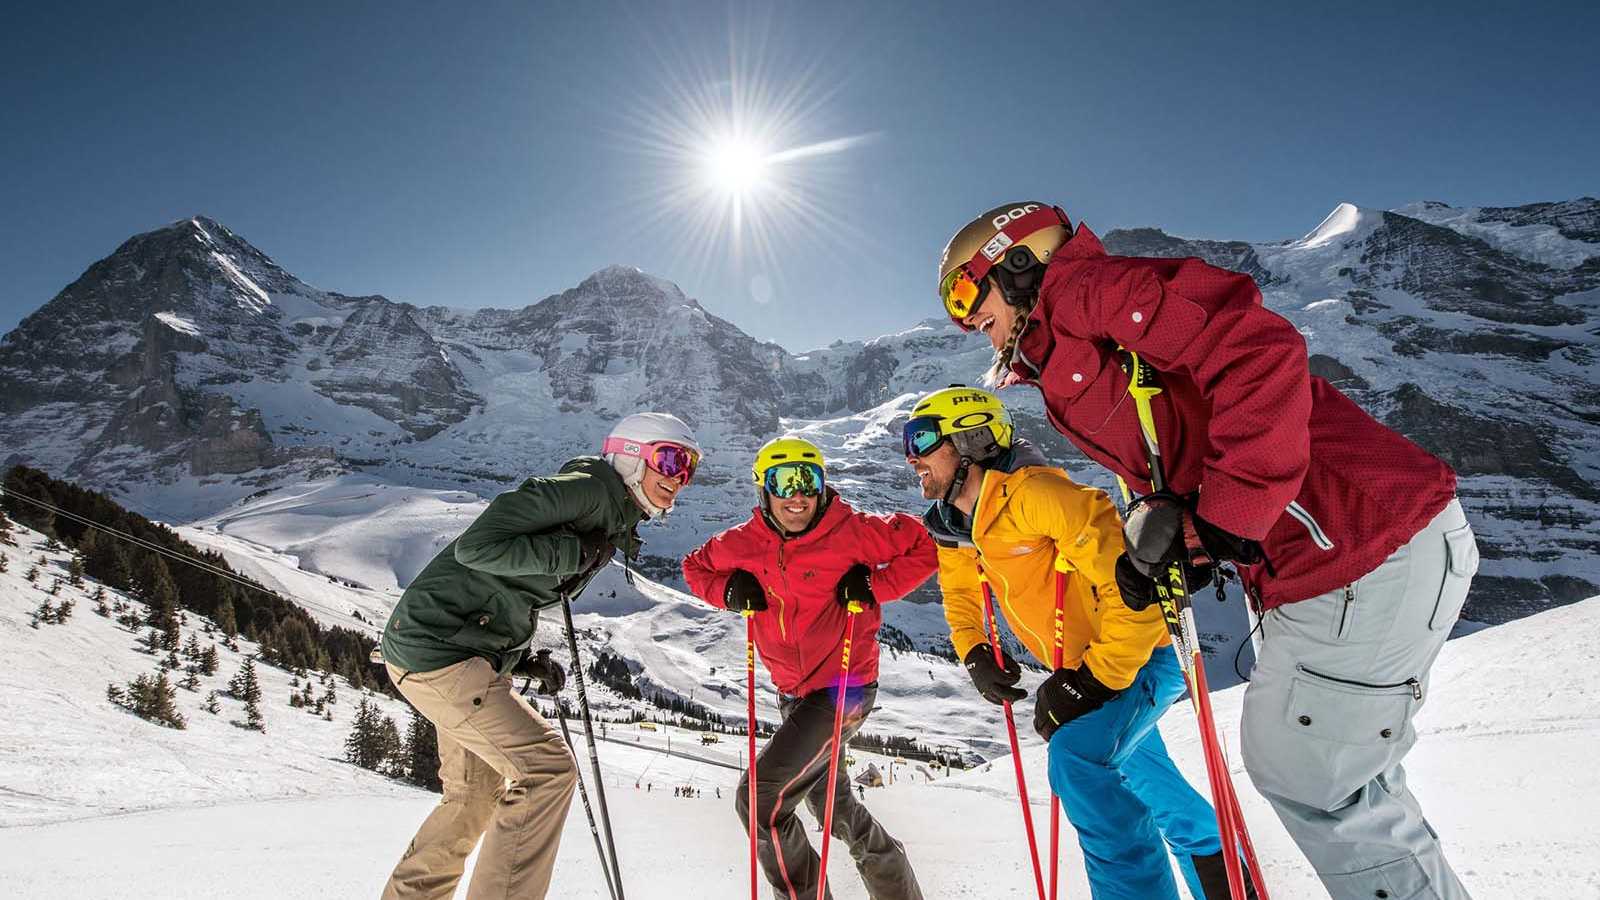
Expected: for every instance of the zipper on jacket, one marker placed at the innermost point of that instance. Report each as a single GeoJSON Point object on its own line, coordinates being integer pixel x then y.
{"type": "Point", "coordinates": [1344, 614]}
{"type": "Point", "coordinates": [1414, 684]}
{"type": "Point", "coordinates": [1304, 517]}
{"type": "Point", "coordinates": [783, 573]}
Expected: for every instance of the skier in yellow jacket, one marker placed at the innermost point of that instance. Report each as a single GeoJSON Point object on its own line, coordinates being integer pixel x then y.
{"type": "Point", "coordinates": [999, 510]}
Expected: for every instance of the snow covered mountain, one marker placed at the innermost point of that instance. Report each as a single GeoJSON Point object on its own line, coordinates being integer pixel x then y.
{"type": "Point", "coordinates": [188, 372]}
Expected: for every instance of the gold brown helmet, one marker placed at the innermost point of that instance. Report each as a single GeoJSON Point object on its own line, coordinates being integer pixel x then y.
{"type": "Point", "coordinates": [1014, 243]}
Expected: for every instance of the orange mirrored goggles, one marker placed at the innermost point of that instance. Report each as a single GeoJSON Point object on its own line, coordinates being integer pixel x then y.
{"type": "Point", "coordinates": [962, 295]}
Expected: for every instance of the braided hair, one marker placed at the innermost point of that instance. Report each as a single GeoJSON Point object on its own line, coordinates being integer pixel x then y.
{"type": "Point", "coordinates": [1002, 357]}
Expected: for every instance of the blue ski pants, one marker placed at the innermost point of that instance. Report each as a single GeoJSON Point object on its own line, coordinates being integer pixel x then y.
{"type": "Point", "coordinates": [1126, 798]}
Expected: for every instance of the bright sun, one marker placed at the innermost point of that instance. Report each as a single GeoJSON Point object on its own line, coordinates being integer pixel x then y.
{"type": "Point", "coordinates": [736, 167]}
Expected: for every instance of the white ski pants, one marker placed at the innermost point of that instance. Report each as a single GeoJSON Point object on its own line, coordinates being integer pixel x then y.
{"type": "Point", "coordinates": [1328, 716]}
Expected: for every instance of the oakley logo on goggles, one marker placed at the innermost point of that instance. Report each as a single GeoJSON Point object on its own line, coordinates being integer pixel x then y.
{"type": "Point", "coordinates": [787, 479]}
{"type": "Point", "coordinates": [922, 436]}
{"type": "Point", "coordinates": [963, 290]}
{"type": "Point", "coordinates": [665, 459]}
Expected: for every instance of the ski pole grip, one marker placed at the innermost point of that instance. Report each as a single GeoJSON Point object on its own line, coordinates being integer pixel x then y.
{"type": "Point", "coordinates": [853, 607]}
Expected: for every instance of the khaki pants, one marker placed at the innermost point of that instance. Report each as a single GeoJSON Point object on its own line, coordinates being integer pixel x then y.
{"type": "Point", "coordinates": [505, 772]}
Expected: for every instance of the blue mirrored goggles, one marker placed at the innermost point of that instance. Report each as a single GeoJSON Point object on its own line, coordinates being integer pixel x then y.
{"type": "Point", "coordinates": [787, 479]}
{"type": "Point", "coordinates": [922, 435]}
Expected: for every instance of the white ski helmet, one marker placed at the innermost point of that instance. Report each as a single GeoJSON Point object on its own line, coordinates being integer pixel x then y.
{"type": "Point", "coordinates": [639, 430]}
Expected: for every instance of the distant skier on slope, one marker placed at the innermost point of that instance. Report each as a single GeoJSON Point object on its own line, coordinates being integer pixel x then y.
{"type": "Point", "coordinates": [802, 556]}
{"type": "Point", "coordinates": [1000, 508]}
{"type": "Point", "coordinates": [1349, 538]}
{"type": "Point", "coordinates": [464, 625]}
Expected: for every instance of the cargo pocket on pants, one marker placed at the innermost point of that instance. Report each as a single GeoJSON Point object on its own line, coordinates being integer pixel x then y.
{"type": "Point", "coordinates": [1461, 550]}
{"type": "Point", "coordinates": [1402, 879]}
{"type": "Point", "coordinates": [1346, 733]}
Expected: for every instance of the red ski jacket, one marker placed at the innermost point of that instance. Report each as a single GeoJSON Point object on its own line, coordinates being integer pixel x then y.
{"type": "Point", "coordinates": [1275, 455]}
{"type": "Point", "coordinates": [801, 634]}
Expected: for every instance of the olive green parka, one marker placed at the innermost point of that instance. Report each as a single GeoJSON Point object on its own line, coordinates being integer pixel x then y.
{"type": "Point", "coordinates": [482, 594]}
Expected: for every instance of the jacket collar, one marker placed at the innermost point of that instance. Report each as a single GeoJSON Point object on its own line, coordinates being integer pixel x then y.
{"type": "Point", "coordinates": [948, 524]}
{"type": "Point", "coordinates": [626, 514]}
{"type": "Point", "coordinates": [1033, 350]}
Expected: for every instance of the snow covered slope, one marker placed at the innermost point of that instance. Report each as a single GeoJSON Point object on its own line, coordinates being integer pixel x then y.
{"type": "Point", "coordinates": [96, 803]}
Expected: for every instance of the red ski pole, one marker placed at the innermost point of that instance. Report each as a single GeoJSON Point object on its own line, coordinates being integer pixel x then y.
{"type": "Point", "coordinates": [1062, 568]}
{"type": "Point", "coordinates": [1011, 732]}
{"type": "Point", "coordinates": [833, 757]}
{"type": "Point", "coordinates": [750, 693]}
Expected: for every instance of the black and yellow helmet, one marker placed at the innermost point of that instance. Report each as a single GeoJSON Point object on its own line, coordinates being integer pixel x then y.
{"type": "Point", "coordinates": [972, 419]}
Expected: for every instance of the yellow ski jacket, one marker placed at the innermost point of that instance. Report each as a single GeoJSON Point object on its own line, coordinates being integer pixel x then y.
{"type": "Point", "coordinates": [1023, 521]}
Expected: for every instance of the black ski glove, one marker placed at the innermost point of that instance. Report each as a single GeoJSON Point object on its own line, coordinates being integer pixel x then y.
{"type": "Point", "coordinates": [855, 587]}
{"type": "Point", "coordinates": [1139, 590]}
{"type": "Point", "coordinates": [744, 593]}
{"type": "Point", "coordinates": [1162, 529]}
{"type": "Point", "coordinates": [549, 675]}
{"type": "Point", "coordinates": [995, 681]}
{"type": "Point", "coordinates": [1066, 695]}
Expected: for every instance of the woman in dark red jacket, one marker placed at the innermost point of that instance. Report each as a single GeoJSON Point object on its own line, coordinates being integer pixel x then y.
{"type": "Point", "coordinates": [800, 559]}
{"type": "Point", "coordinates": [1348, 537]}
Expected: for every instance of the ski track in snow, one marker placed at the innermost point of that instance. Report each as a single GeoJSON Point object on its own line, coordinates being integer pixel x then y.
{"type": "Point", "coordinates": [95, 803]}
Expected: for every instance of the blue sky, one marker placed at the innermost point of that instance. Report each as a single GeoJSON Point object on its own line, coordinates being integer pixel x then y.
{"type": "Point", "coordinates": [491, 154]}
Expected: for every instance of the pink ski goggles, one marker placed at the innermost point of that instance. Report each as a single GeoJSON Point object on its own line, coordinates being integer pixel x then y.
{"type": "Point", "coordinates": [666, 459]}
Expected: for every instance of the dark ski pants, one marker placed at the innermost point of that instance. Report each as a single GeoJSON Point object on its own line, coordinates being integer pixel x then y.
{"type": "Point", "coordinates": [794, 766]}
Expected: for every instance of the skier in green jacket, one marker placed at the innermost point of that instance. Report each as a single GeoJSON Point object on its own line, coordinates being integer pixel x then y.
{"type": "Point", "coordinates": [465, 623]}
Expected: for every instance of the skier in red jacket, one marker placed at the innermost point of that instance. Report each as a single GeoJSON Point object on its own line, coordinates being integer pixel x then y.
{"type": "Point", "coordinates": [1349, 538]}
{"type": "Point", "coordinates": [800, 559]}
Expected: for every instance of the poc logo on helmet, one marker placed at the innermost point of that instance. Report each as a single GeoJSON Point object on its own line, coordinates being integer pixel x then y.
{"type": "Point", "coordinates": [1011, 215]}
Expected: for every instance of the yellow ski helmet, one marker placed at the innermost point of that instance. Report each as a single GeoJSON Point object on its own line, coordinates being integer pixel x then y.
{"type": "Point", "coordinates": [972, 419]}
{"type": "Point", "coordinates": [789, 465]}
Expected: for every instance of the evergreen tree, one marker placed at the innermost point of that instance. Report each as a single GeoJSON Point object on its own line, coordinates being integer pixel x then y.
{"type": "Point", "coordinates": [5, 563]}
{"type": "Point", "coordinates": [115, 694]}
{"type": "Point", "coordinates": [32, 574]}
{"type": "Point", "coordinates": [253, 719]}
{"type": "Point", "coordinates": [208, 661]}
{"type": "Point", "coordinates": [366, 745]}
{"type": "Point", "coordinates": [329, 696]}
{"type": "Point", "coordinates": [172, 663]}
{"type": "Point", "coordinates": [5, 532]}
{"type": "Point", "coordinates": [161, 595]}
{"type": "Point", "coordinates": [191, 648]}
{"type": "Point", "coordinates": [305, 694]}
{"type": "Point", "coordinates": [152, 697]}
{"type": "Point", "coordinates": [226, 621]}
{"type": "Point", "coordinates": [244, 685]}
{"type": "Point", "coordinates": [211, 705]}
{"type": "Point", "coordinates": [52, 545]}
{"type": "Point", "coordinates": [295, 701]}
{"type": "Point", "coordinates": [99, 598]}
{"type": "Point", "coordinates": [422, 753]}
{"type": "Point", "coordinates": [43, 613]}
{"type": "Point", "coordinates": [55, 588]}
{"type": "Point", "coordinates": [75, 570]}
{"type": "Point", "coordinates": [151, 643]}
{"type": "Point", "coordinates": [64, 610]}
{"type": "Point", "coordinates": [191, 681]}
{"type": "Point", "coordinates": [392, 748]}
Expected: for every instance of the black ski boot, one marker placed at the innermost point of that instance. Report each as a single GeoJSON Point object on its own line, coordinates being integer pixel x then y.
{"type": "Point", "coordinates": [1213, 873]}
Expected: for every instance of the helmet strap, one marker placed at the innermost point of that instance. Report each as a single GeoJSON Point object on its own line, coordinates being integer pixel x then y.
{"type": "Point", "coordinates": [959, 480]}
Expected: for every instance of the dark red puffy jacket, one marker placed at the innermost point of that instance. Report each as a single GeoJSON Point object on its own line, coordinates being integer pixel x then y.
{"type": "Point", "coordinates": [1275, 454]}
{"type": "Point", "coordinates": [801, 635]}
